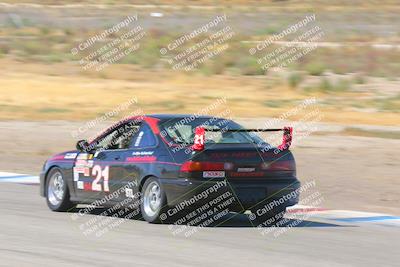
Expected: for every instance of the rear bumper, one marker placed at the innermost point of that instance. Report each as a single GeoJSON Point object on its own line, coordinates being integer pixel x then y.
{"type": "Point", "coordinates": [248, 194]}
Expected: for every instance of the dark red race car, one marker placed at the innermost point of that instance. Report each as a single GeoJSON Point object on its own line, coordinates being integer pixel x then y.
{"type": "Point", "coordinates": [175, 164]}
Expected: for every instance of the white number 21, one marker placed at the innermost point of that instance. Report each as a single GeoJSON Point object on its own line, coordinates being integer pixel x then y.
{"type": "Point", "coordinates": [99, 173]}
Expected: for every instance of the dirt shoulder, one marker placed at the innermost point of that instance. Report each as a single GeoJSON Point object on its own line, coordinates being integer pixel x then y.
{"type": "Point", "coordinates": [355, 173]}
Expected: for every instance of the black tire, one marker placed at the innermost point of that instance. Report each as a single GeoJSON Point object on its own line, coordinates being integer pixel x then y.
{"type": "Point", "coordinates": [153, 202]}
{"type": "Point", "coordinates": [60, 200]}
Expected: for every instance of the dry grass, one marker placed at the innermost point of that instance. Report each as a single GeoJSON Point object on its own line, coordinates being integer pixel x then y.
{"type": "Point", "coordinates": [31, 91]}
{"type": "Point", "coordinates": [304, 4]}
{"type": "Point", "coordinates": [353, 131]}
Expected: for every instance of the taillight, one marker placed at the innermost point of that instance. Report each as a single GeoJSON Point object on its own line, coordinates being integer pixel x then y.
{"type": "Point", "coordinates": [193, 166]}
{"type": "Point", "coordinates": [284, 165]}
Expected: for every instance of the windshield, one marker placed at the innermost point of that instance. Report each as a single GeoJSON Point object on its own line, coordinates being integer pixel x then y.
{"type": "Point", "coordinates": [182, 131]}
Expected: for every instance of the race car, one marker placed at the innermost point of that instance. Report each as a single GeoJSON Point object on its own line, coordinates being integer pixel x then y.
{"type": "Point", "coordinates": [173, 163]}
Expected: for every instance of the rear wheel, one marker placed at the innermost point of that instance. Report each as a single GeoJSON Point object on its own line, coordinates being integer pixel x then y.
{"type": "Point", "coordinates": [57, 193]}
{"type": "Point", "coordinates": [153, 200]}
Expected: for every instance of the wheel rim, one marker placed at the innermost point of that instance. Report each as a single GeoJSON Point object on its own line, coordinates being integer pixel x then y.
{"type": "Point", "coordinates": [55, 192]}
{"type": "Point", "coordinates": [152, 199]}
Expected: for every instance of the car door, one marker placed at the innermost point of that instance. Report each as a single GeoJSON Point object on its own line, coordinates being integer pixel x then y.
{"type": "Point", "coordinates": [97, 174]}
{"type": "Point", "coordinates": [138, 160]}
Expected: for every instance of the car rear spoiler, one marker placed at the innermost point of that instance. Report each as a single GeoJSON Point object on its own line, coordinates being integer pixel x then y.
{"type": "Point", "coordinates": [199, 138]}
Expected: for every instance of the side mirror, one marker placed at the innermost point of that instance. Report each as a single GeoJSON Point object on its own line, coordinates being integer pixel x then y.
{"type": "Point", "coordinates": [82, 146]}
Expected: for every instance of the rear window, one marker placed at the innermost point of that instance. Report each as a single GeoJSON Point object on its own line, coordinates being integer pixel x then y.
{"type": "Point", "coordinates": [182, 131]}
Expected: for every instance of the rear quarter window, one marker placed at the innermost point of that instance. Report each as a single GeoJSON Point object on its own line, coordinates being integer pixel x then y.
{"type": "Point", "coordinates": [143, 138]}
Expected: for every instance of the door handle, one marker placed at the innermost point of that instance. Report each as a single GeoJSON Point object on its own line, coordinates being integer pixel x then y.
{"type": "Point", "coordinates": [117, 157]}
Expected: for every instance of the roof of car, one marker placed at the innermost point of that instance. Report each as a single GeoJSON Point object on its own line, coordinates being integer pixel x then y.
{"type": "Point", "coordinates": [176, 116]}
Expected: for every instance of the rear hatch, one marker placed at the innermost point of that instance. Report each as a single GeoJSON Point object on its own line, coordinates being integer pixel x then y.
{"type": "Point", "coordinates": [240, 162]}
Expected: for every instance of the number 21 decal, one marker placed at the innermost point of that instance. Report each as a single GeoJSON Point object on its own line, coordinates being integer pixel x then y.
{"type": "Point", "coordinates": [99, 173]}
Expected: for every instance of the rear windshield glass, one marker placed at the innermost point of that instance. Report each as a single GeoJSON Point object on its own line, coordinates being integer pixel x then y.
{"type": "Point", "coordinates": [183, 130]}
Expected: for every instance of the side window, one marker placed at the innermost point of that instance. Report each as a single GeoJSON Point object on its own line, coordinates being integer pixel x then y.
{"type": "Point", "coordinates": [107, 141]}
{"type": "Point", "coordinates": [120, 138]}
{"type": "Point", "coordinates": [144, 138]}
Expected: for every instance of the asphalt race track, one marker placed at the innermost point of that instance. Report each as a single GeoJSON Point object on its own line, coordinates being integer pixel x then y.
{"type": "Point", "coordinates": [32, 235]}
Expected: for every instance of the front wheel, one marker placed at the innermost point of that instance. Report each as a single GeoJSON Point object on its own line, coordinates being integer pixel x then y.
{"type": "Point", "coordinates": [153, 200]}
{"type": "Point", "coordinates": [57, 194]}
